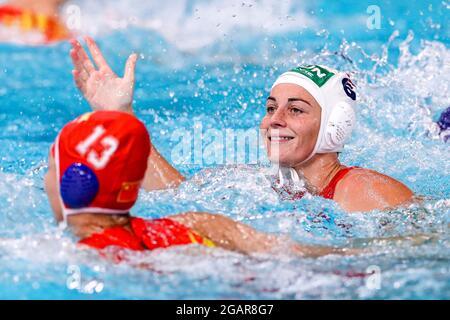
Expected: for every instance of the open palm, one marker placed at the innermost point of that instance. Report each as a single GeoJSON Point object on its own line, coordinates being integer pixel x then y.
{"type": "Point", "coordinates": [101, 87]}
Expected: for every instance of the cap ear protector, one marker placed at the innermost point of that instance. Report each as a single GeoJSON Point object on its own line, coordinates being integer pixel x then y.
{"type": "Point", "coordinates": [79, 186]}
{"type": "Point", "coordinates": [338, 128]}
{"type": "Point", "coordinates": [335, 93]}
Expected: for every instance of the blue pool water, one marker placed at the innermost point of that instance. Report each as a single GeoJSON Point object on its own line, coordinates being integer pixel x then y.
{"type": "Point", "coordinates": [212, 63]}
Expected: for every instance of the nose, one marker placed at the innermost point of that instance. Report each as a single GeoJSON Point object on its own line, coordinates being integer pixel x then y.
{"type": "Point", "coordinates": [277, 120]}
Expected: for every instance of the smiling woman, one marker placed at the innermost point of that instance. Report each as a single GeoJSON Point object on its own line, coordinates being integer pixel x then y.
{"type": "Point", "coordinates": [309, 118]}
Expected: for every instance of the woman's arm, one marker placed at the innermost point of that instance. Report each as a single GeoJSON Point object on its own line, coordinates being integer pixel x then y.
{"type": "Point", "coordinates": [231, 235]}
{"type": "Point", "coordinates": [160, 174]}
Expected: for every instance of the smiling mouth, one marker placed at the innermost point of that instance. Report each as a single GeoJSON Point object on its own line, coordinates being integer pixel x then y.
{"type": "Point", "coordinates": [280, 138]}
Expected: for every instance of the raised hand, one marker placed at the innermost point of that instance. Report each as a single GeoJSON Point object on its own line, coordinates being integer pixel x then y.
{"type": "Point", "coordinates": [101, 87]}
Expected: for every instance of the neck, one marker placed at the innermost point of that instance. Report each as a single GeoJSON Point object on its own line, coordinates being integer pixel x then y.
{"type": "Point", "coordinates": [319, 170]}
{"type": "Point", "coordinates": [84, 225]}
{"type": "Point", "coordinates": [45, 7]}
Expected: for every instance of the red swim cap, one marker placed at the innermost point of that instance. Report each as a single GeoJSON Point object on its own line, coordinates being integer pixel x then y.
{"type": "Point", "coordinates": [101, 159]}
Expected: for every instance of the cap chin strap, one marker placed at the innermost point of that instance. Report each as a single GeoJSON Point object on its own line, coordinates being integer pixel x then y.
{"type": "Point", "coordinates": [289, 176]}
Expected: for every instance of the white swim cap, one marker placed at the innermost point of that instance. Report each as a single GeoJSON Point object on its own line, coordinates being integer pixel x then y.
{"type": "Point", "coordinates": [335, 93]}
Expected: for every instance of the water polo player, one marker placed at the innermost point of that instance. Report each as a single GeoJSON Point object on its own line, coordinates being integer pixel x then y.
{"type": "Point", "coordinates": [310, 115]}
{"type": "Point", "coordinates": [96, 167]}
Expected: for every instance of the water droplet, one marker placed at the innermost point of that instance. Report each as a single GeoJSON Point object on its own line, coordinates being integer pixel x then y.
{"type": "Point", "coordinates": [201, 83]}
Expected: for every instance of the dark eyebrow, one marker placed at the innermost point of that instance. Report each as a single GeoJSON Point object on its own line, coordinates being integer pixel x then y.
{"type": "Point", "coordinates": [299, 99]}
{"type": "Point", "coordinates": [291, 100]}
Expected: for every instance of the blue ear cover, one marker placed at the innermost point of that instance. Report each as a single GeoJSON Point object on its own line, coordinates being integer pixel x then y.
{"type": "Point", "coordinates": [79, 186]}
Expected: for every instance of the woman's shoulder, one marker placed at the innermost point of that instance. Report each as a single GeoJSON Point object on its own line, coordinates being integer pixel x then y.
{"type": "Point", "coordinates": [364, 189]}
{"type": "Point", "coordinates": [366, 177]}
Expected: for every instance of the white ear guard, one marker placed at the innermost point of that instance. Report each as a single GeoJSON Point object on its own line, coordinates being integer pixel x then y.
{"type": "Point", "coordinates": [334, 92]}
{"type": "Point", "coordinates": [338, 128]}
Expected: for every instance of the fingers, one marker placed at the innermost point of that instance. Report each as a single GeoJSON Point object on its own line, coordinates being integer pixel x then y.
{"type": "Point", "coordinates": [80, 58]}
{"type": "Point", "coordinates": [130, 67]}
{"type": "Point", "coordinates": [80, 83]}
{"type": "Point", "coordinates": [97, 54]}
{"type": "Point", "coordinates": [77, 64]}
{"type": "Point", "coordinates": [80, 74]}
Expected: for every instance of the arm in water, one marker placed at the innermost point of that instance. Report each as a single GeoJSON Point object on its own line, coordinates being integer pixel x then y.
{"type": "Point", "coordinates": [104, 90]}
{"type": "Point", "coordinates": [235, 236]}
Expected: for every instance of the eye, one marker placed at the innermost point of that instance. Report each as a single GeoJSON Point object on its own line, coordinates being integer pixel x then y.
{"type": "Point", "coordinates": [295, 110]}
{"type": "Point", "coordinates": [270, 109]}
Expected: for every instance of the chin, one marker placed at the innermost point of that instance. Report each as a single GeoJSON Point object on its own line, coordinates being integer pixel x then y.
{"type": "Point", "coordinates": [289, 156]}
{"type": "Point", "coordinates": [288, 160]}
{"type": "Point", "coordinates": [284, 161]}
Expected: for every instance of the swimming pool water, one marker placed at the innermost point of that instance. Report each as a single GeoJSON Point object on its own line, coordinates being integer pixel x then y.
{"type": "Point", "coordinates": [210, 63]}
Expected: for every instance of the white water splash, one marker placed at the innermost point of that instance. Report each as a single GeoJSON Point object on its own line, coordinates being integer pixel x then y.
{"type": "Point", "coordinates": [191, 25]}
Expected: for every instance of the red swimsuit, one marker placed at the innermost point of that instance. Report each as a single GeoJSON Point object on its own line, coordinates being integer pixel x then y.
{"type": "Point", "coordinates": [328, 191]}
{"type": "Point", "coordinates": [146, 235]}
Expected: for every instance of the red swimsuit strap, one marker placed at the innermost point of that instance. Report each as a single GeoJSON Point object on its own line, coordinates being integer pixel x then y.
{"type": "Point", "coordinates": [328, 191]}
